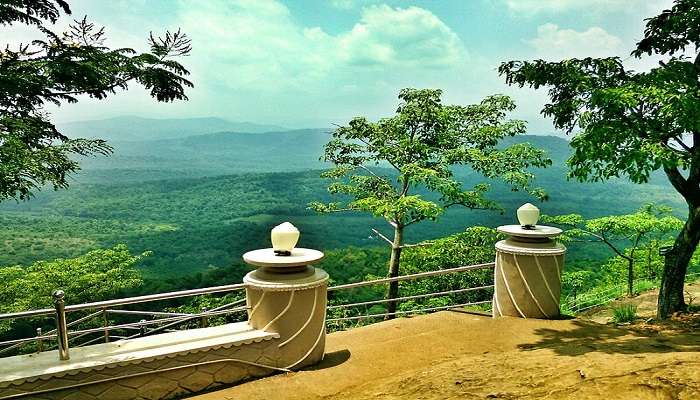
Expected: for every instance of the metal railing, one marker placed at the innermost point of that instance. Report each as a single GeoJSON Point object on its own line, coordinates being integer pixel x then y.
{"type": "Point", "coordinates": [598, 298]}
{"type": "Point", "coordinates": [163, 321]}
{"type": "Point", "coordinates": [63, 335]}
{"type": "Point", "coordinates": [411, 277]}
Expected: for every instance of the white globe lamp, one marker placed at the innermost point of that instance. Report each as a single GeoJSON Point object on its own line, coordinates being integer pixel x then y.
{"type": "Point", "coordinates": [284, 237]}
{"type": "Point", "coordinates": [528, 215]}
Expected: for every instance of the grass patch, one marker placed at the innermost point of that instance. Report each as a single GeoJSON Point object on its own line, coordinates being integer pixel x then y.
{"type": "Point", "coordinates": [624, 313]}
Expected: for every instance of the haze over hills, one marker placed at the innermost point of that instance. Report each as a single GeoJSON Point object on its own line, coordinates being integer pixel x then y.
{"type": "Point", "coordinates": [130, 128]}
{"type": "Point", "coordinates": [161, 155]}
{"type": "Point", "coordinates": [209, 155]}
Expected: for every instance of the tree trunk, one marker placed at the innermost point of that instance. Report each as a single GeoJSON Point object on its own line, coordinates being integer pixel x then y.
{"type": "Point", "coordinates": [675, 266]}
{"type": "Point", "coordinates": [630, 276]}
{"type": "Point", "coordinates": [650, 270]}
{"type": "Point", "coordinates": [393, 291]}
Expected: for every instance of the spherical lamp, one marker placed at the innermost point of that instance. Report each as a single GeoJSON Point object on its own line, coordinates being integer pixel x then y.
{"type": "Point", "coordinates": [284, 237]}
{"type": "Point", "coordinates": [528, 215]}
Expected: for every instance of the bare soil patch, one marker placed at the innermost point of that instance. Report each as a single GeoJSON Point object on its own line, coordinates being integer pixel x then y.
{"type": "Point", "coordinates": [456, 355]}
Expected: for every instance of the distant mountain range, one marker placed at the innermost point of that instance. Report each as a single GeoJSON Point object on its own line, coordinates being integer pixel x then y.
{"type": "Point", "coordinates": [202, 199]}
{"type": "Point", "coordinates": [197, 147]}
{"type": "Point", "coordinates": [207, 155]}
{"type": "Point", "coordinates": [129, 128]}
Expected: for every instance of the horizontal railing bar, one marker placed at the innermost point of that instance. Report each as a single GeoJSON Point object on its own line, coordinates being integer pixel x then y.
{"type": "Point", "coordinates": [28, 314]}
{"type": "Point", "coordinates": [126, 301]}
{"type": "Point", "coordinates": [153, 321]}
{"type": "Point", "coordinates": [79, 320]}
{"type": "Point", "coordinates": [413, 276]}
{"type": "Point", "coordinates": [53, 331]}
{"type": "Point", "coordinates": [407, 312]}
{"type": "Point", "coordinates": [154, 313]}
{"type": "Point", "coordinates": [165, 327]}
{"type": "Point", "coordinates": [155, 297]}
{"type": "Point", "coordinates": [419, 296]}
{"type": "Point", "coordinates": [26, 340]}
{"type": "Point", "coordinates": [91, 341]}
{"type": "Point", "coordinates": [79, 336]}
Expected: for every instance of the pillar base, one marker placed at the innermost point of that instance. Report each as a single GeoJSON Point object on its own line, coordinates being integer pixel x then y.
{"type": "Point", "coordinates": [527, 276]}
{"type": "Point", "coordinates": [292, 304]}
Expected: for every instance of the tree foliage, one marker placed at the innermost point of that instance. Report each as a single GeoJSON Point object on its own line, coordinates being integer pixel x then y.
{"type": "Point", "coordinates": [623, 234]}
{"type": "Point", "coordinates": [56, 69]}
{"type": "Point", "coordinates": [476, 245]}
{"type": "Point", "coordinates": [97, 275]}
{"type": "Point", "coordinates": [629, 123]}
{"type": "Point", "coordinates": [575, 282]}
{"type": "Point", "coordinates": [422, 143]}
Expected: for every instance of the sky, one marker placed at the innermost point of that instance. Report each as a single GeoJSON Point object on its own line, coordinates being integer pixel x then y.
{"type": "Point", "coordinates": [313, 63]}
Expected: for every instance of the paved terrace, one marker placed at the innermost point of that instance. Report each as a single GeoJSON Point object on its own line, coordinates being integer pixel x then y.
{"type": "Point", "coordinates": [455, 355]}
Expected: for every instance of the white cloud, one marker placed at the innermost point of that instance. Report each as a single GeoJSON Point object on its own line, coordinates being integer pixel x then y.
{"type": "Point", "coordinates": [258, 45]}
{"type": "Point", "coordinates": [349, 4]}
{"type": "Point", "coordinates": [555, 43]}
{"type": "Point", "coordinates": [532, 7]}
{"type": "Point", "coordinates": [410, 37]}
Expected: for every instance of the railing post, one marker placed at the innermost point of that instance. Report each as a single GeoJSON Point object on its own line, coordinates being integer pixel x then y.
{"type": "Point", "coordinates": [61, 327]}
{"type": "Point", "coordinates": [142, 327]}
{"type": "Point", "coordinates": [105, 324]}
{"type": "Point", "coordinates": [39, 341]}
{"type": "Point", "coordinates": [204, 321]}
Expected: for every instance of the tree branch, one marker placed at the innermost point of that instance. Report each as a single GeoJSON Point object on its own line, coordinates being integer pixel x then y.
{"type": "Point", "coordinates": [681, 184]}
{"type": "Point", "coordinates": [694, 174]}
{"type": "Point", "coordinates": [682, 144]}
{"type": "Point", "coordinates": [463, 204]}
{"type": "Point", "coordinates": [612, 246]}
{"type": "Point", "coordinates": [376, 176]}
{"type": "Point", "coordinates": [413, 221]}
{"type": "Point", "coordinates": [391, 243]}
{"type": "Point", "coordinates": [636, 243]}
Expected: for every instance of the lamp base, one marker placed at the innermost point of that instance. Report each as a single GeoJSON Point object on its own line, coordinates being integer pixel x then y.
{"type": "Point", "coordinates": [529, 227]}
{"type": "Point", "coordinates": [282, 253]}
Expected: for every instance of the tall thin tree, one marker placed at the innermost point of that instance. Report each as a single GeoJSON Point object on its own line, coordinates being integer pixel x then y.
{"type": "Point", "coordinates": [421, 145]}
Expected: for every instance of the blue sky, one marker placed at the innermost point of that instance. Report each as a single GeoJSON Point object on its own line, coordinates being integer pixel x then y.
{"type": "Point", "coordinates": [302, 63]}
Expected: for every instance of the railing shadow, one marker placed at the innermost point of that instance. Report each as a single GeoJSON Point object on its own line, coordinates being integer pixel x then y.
{"type": "Point", "coordinates": [589, 337]}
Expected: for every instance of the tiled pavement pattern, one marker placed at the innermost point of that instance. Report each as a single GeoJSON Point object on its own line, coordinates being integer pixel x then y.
{"type": "Point", "coordinates": [158, 385]}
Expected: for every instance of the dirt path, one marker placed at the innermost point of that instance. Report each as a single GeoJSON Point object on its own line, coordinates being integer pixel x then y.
{"type": "Point", "coordinates": [455, 355]}
{"type": "Point", "coordinates": [646, 305]}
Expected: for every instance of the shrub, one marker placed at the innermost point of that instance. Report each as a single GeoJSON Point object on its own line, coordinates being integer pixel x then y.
{"type": "Point", "coordinates": [625, 313]}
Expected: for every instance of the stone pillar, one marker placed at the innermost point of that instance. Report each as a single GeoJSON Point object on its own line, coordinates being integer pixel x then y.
{"type": "Point", "coordinates": [527, 276]}
{"type": "Point", "coordinates": [287, 296]}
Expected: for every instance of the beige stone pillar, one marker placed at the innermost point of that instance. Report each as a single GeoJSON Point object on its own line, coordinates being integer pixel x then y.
{"type": "Point", "coordinates": [287, 296]}
{"type": "Point", "coordinates": [527, 276]}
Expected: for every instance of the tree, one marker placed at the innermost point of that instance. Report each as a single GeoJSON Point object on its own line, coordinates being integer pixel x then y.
{"type": "Point", "coordinates": [97, 275]}
{"type": "Point", "coordinates": [575, 282]}
{"type": "Point", "coordinates": [631, 123]}
{"type": "Point", "coordinates": [476, 245]}
{"type": "Point", "coordinates": [421, 144]}
{"type": "Point", "coordinates": [620, 232]}
{"type": "Point", "coordinates": [56, 69]}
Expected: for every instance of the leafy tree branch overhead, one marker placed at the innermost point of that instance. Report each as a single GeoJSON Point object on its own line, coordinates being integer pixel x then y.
{"type": "Point", "coordinates": [56, 68]}
{"type": "Point", "coordinates": [629, 123]}
{"type": "Point", "coordinates": [422, 143]}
